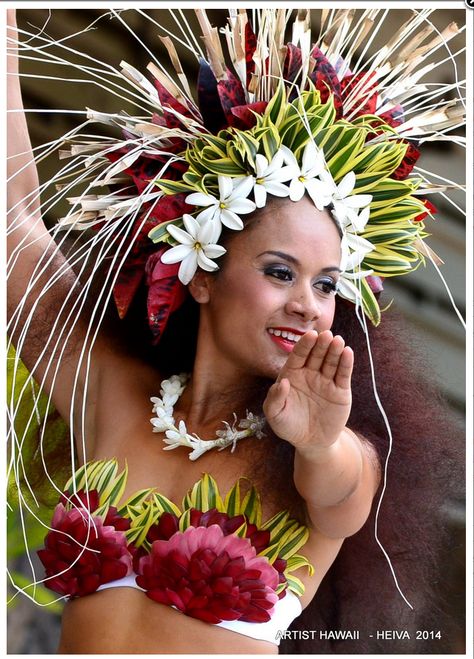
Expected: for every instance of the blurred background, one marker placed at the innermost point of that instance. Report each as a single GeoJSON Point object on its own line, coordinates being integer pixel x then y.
{"type": "Point", "coordinates": [421, 297]}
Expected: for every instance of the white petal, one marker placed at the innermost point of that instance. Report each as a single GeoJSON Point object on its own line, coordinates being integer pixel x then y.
{"type": "Point", "coordinates": [192, 225]}
{"type": "Point", "coordinates": [205, 263]}
{"type": "Point", "coordinates": [205, 232]}
{"type": "Point", "coordinates": [289, 158]}
{"type": "Point", "coordinates": [310, 157]}
{"type": "Point", "coordinates": [296, 190]}
{"type": "Point", "coordinates": [180, 235]}
{"type": "Point", "coordinates": [231, 220]}
{"type": "Point", "coordinates": [200, 199]}
{"type": "Point", "coordinates": [318, 191]}
{"type": "Point", "coordinates": [276, 163]}
{"type": "Point", "coordinates": [242, 187]}
{"type": "Point", "coordinates": [358, 243]}
{"type": "Point", "coordinates": [260, 195]}
{"type": "Point", "coordinates": [346, 289]}
{"type": "Point", "coordinates": [188, 267]}
{"type": "Point", "coordinates": [283, 174]}
{"type": "Point", "coordinates": [214, 251]}
{"type": "Point", "coordinates": [216, 230]}
{"type": "Point", "coordinates": [344, 253]}
{"type": "Point", "coordinates": [346, 186]}
{"type": "Point", "coordinates": [261, 165]}
{"type": "Point", "coordinates": [209, 213]}
{"type": "Point", "coordinates": [242, 206]}
{"type": "Point", "coordinates": [358, 200]}
{"type": "Point", "coordinates": [317, 167]}
{"type": "Point", "coordinates": [354, 260]}
{"type": "Point", "coordinates": [358, 221]}
{"type": "Point", "coordinates": [176, 254]}
{"type": "Point", "coordinates": [225, 186]}
{"type": "Point", "coordinates": [277, 189]}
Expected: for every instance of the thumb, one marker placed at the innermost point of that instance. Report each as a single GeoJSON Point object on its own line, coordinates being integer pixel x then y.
{"type": "Point", "coordinates": [276, 398]}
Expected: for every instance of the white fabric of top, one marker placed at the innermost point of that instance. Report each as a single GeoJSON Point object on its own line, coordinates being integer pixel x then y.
{"type": "Point", "coordinates": [285, 611]}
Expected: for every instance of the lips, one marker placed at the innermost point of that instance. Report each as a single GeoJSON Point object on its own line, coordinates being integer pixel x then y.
{"type": "Point", "coordinates": [285, 338]}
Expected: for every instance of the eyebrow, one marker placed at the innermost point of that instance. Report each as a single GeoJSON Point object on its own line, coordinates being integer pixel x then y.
{"type": "Point", "coordinates": [292, 259]}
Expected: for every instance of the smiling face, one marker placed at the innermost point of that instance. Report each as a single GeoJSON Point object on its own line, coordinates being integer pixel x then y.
{"type": "Point", "coordinates": [277, 281]}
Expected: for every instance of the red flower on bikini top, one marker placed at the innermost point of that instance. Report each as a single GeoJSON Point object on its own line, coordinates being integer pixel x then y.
{"type": "Point", "coordinates": [168, 525]}
{"type": "Point", "coordinates": [82, 552]}
{"type": "Point", "coordinates": [210, 576]}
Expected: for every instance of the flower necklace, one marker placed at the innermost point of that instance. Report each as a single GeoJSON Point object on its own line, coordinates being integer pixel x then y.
{"type": "Point", "coordinates": [176, 436]}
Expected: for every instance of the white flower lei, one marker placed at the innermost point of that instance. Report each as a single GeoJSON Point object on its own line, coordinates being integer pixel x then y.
{"type": "Point", "coordinates": [176, 436]}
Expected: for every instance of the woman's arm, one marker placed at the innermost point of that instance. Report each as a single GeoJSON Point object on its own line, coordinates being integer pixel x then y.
{"type": "Point", "coordinates": [335, 471]}
{"type": "Point", "coordinates": [37, 313]}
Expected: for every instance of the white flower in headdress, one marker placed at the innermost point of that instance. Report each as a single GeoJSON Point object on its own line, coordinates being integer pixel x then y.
{"type": "Point", "coordinates": [354, 248]}
{"type": "Point", "coordinates": [196, 248]}
{"type": "Point", "coordinates": [225, 210]}
{"type": "Point", "coordinates": [307, 177]}
{"type": "Point", "coordinates": [269, 178]}
{"type": "Point", "coordinates": [346, 205]}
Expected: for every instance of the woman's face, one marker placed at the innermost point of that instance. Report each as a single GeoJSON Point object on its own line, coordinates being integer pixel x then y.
{"type": "Point", "coordinates": [279, 276]}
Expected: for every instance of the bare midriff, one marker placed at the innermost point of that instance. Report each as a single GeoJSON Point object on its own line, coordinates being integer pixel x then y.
{"type": "Point", "coordinates": [126, 621]}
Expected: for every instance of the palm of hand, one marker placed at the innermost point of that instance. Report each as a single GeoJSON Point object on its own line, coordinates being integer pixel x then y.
{"type": "Point", "coordinates": [310, 402]}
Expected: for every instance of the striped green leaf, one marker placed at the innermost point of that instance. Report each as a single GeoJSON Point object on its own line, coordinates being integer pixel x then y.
{"type": "Point", "coordinates": [276, 108]}
{"type": "Point", "coordinates": [276, 523]}
{"type": "Point", "coordinates": [369, 303]}
{"type": "Point", "coordinates": [271, 552]}
{"type": "Point", "coordinates": [251, 507]}
{"type": "Point", "coordinates": [296, 562]}
{"type": "Point", "coordinates": [166, 505]}
{"type": "Point", "coordinates": [185, 520]}
{"type": "Point", "coordinates": [172, 187]}
{"type": "Point", "coordinates": [135, 501]}
{"type": "Point", "coordinates": [160, 232]}
{"type": "Point", "coordinates": [295, 585]}
{"type": "Point", "coordinates": [294, 542]}
{"type": "Point", "coordinates": [232, 500]}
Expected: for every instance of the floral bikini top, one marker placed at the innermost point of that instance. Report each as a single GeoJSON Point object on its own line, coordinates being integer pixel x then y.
{"type": "Point", "coordinates": [213, 559]}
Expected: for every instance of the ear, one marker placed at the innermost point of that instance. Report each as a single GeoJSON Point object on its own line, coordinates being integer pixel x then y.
{"type": "Point", "coordinates": [200, 285]}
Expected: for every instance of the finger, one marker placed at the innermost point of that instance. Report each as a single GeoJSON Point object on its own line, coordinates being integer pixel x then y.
{"type": "Point", "coordinates": [276, 398]}
{"type": "Point", "coordinates": [298, 356]}
{"type": "Point", "coordinates": [318, 353]}
{"type": "Point", "coordinates": [332, 358]}
{"type": "Point", "coordinates": [344, 369]}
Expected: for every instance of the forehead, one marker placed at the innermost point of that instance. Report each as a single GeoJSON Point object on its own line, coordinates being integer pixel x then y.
{"type": "Point", "coordinates": [297, 226]}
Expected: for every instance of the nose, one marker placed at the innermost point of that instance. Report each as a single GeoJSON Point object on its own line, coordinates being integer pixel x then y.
{"type": "Point", "coordinates": [303, 303]}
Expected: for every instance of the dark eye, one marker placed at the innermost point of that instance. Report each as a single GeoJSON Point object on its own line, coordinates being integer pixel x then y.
{"type": "Point", "coordinates": [281, 272]}
{"type": "Point", "coordinates": [326, 286]}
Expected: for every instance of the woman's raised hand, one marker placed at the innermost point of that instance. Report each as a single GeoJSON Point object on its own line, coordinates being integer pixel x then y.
{"type": "Point", "coordinates": [310, 402]}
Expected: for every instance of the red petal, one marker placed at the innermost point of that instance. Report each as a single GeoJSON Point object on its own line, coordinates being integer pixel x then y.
{"type": "Point", "coordinates": [250, 47]}
{"type": "Point", "coordinates": [324, 78]}
{"type": "Point", "coordinates": [223, 585]}
{"type": "Point", "coordinates": [255, 614]}
{"type": "Point", "coordinates": [409, 161]}
{"type": "Point", "coordinates": [175, 599]}
{"type": "Point", "coordinates": [203, 614]}
{"type": "Point", "coordinates": [231, 94]}
{"type": "Point", "coordinates": [165, 294]}
{"type": "Point", "coordinates": [244, 117]}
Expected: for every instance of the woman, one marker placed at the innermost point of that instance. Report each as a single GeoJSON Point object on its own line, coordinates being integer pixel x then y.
{"type": "Point", "coordinates": [264, 317]}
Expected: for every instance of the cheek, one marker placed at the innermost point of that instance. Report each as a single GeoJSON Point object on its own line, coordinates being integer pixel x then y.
{"type": "Point", "coordinates": [327, 314]}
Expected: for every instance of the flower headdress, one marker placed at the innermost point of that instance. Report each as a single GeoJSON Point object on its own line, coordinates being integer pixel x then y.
{"type": "Point", "coordinates": [288, 120]}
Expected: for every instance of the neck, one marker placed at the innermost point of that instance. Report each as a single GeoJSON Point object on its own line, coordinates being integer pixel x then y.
{"type": "Point", "coordinates": [217, 389]}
